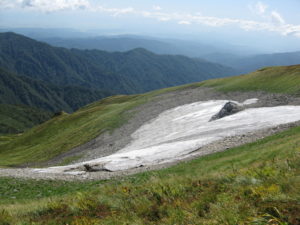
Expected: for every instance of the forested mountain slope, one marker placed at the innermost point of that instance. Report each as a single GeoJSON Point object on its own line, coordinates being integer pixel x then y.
{"type": "Point", "coordinates": [24, 90]}
{"type": "Point", "coordinates": [18, 118]}
{"type": "Point", "coordinates": [135, 71]}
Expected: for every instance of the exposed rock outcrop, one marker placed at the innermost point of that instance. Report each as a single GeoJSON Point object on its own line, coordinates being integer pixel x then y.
{"type": "Point", "coordinates": [94, 168]}
{"type": "Point", "coordinates": [228, 109]}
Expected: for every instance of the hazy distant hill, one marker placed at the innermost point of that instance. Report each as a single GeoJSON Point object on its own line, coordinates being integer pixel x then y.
{"type": "Point", "coordinates": [259, 61]}
{"type": "Point", "coordinates": [135, 71]}
{"type": "Point", "coordinates": [229, 57]}
{"type": "Point", "coordinates": [249, 64]}
{"type": "Point", "coordinates": [125, 43]}
{"type": "Point", "coordinates": [70, 38]}
{"type": "Point", "coordinates": [38, 33]}
{"type": "Point", "coordinates": [115, 44]}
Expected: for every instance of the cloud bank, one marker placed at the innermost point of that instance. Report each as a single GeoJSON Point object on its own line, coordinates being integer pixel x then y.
{"type": "Point", "coordinates": [46, 5]}
{"type": "Point", "coordinates": [273, 21]}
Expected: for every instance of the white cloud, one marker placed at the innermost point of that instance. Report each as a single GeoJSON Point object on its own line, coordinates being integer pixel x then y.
{"type": "Point", "coordinates": [46, 5]}
{"type": "Point", "coordinates": [291, 30]}
{"type": "Point", "coordinates": [59, 5]}
{"type": "Point", "coordinates": [260, 8]}
{"type": "Point", "coordinates": [273, 21]}
{"type": "Point", "coordinates": [277, 18]}
{"type": "Point", "coordinates": [113, 11]}
{"type": "Point", "coordinates": [164, 19]}
{"type": "Point", "coordinates": [7, 4]}
{"type": "Point", "coordinates": [157, 8]}
{"type": "Point", "coordinates": [184, 22]}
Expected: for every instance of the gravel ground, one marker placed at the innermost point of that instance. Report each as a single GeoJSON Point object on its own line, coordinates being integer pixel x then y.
{"type": "Point", "coordinates": [107, 143]}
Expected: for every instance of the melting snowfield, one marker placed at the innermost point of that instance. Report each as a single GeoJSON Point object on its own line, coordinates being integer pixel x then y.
{"type": "Point", "coordinates": [177, 132]}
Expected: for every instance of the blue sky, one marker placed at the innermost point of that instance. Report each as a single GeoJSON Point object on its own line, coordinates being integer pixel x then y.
{"type": "Point", "coordinates": [277, 19]}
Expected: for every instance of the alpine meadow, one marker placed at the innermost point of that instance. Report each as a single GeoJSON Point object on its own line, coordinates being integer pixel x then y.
{"type": "Point", "coordinates": [149, 112]}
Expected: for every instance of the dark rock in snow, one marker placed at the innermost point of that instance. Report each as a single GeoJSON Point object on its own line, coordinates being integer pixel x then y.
{"type": "Point", "coordinates": [228, 109]}
{"type": "Point", "coordinates": [94, 168]}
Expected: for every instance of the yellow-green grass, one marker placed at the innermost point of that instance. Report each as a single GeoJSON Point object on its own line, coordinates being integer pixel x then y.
{"type": "Point", "coordinates": [272, 79]}
{"type": "Point", "coordinates": [67, 131]}
{"type": "Point", "coordinates": [257, 183]}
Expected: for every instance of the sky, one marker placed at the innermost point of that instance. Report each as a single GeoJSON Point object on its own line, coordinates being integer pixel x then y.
{"type": "Point", "coordinates": [277, 21]}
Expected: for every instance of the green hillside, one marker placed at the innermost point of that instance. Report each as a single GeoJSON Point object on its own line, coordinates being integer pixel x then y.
{"type": "Point", "coordinates": [257, 183]}
{"type": "Point", "coordinates": [35, 93]}
{"type": "Point", "coordinates": [36, 99]}
{"type": "Point", "coordinates": [132, 72]}
{"type": "Point", "coordinates": [285, 79]}
{"type": "Point", "coordinates": [18, 118]}
{"type": "Point", "coordinates": [67, 131]}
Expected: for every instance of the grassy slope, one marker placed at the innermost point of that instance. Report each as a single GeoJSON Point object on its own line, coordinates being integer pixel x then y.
{"type": "Point", "coordinates": [257, 183]}
{"type": "Point", "coordinates": [67, 131]}
{"type": "Point", "coordinates": [272, 79]}
{"type": "Point", "coordinates": [18, 118]}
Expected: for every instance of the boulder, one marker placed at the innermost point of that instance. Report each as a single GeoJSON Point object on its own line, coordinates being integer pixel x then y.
{"type": "Point", "coordinates": [228, 109]}
{"type": "Point", "coordinates": [95, 168]}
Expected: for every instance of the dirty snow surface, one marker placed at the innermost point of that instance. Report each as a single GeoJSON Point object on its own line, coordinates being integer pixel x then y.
{"type": "Point", "coordinates": [178, 132]}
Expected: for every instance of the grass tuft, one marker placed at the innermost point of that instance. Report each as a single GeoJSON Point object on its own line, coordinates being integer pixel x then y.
{"type": "Point", "coordinates": [261, 188]}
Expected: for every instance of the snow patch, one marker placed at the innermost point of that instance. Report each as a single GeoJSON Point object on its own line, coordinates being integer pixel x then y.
{"type": "Point", "coordinates": [250, 101]}
{"type": "Point", "coordinates": [177, 132]}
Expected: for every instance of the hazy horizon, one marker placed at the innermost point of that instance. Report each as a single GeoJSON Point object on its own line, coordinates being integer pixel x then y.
{"type": "Point", "coordinates": [265, 26]}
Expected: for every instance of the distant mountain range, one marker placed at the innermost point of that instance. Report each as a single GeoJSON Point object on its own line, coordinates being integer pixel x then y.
{"type": "Point", "coordinates": [135, 71]}
{"type": "Point", "coordinates": [242, 58]}
{"type": "Point", "coordinates": [251, 63]}
{"type": "Point", "coordinates": [243, 62]}
{"type": "Point", "coordinates": [38, 75]}
{"type": "Point", "coordinates": [125, 43]}
{"type": "Point", "coordinates": [112, 40]}
{"type": "Point", "coordinates": [115, 44]}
